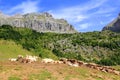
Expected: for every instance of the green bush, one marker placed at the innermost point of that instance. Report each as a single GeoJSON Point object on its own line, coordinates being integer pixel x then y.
{"type": "Point", "coordinates": [6, 27]}
{"type": "Point", "coordinates": [106, 62]}
{"type": "Point", "coordinates": [44, 53]}
{"type": "Point", "coordinates": [57, 53]}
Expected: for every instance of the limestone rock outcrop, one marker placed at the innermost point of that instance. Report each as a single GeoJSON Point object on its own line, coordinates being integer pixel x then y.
{"type": "Point", "coordinates": [41, 22]}
{"type": "Point", "coordinates": [114, 25]}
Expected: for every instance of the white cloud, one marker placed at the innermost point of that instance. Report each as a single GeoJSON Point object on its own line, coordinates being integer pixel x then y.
{"type": "Point", "coordinates": [86, 15]}
{"type": "Point", "coordinates": [77, 13]}
{"type": "Point", "coordinates": [25, 7]}
{"type": "Point", "coordinates": [84, 26]}
{"type": "Point", "coordinates": [105, 10]}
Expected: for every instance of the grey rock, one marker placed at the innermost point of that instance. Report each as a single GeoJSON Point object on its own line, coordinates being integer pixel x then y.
{"type": "Point", "coordinates": [41, 22]}
{"type": "Point", "coordinates": [114, 25]}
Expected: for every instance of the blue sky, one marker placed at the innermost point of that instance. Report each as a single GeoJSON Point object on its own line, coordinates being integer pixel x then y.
{"type": "Point", "coordinates": [84, 15]}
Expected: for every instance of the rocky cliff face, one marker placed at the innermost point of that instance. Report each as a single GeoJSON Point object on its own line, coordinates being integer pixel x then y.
{"type": "Point", "coordinates": [114, 25]}
{"type": "Point", "coordinates": [41, 22]}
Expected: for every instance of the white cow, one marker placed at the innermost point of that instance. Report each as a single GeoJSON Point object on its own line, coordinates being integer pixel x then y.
{"type": "Point", "coordinates": [12, 59]}
{"type": "Point", "coordinates": [58, 62]}
{"type": "Point", "coordinates": [73, 64]}
{"type": "Point", "coordinates": [47, 60]}
{"type": "Point", "coordinates": [31, 58]}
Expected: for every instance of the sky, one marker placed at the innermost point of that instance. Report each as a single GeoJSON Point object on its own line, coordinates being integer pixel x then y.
{"type": "Point", "coordinates": [84, 15]}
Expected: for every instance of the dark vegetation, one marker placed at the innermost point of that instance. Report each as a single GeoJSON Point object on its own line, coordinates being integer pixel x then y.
{"type": "Point", "coordinates": [100, 47]}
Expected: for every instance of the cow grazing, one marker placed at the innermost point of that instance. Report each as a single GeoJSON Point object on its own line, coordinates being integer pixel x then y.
{"type": "Point", "coordinates": [13, 59]}
{"type": "Point", "coordinates": [47, 60]}
{"type": "Point", "coordinates": [31, 58]}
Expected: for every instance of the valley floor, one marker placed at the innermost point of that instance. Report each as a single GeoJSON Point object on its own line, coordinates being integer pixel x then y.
{"type": "Point", "coordinates": [42, 71]}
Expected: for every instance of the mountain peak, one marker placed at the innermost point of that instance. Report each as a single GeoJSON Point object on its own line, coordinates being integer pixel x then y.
{"type": "Point", "coordinates": [114, 25]}
{"type": "Point", "coordinates": [41, 22]}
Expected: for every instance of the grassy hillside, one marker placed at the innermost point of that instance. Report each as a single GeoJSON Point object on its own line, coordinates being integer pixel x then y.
{"type": "Point", "coordinates": [100, 47]}
{"type": "Point", "coordinates": [9, 49]}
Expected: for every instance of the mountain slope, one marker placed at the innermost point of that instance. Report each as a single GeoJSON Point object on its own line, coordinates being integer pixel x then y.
{"type": "Point", "coordinates": [9, 49]}
{"type": "Point", "coordinates": [114, 25]}
{"type": "Point", "coordinates": [100, 47]}
{"type": "Point", "coordinates": [41, 22]}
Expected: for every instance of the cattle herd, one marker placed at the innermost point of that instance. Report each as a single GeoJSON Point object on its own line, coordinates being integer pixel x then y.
{"type": "Point", "coordinates": [27, 59]}
{"type": "Point", "coordinates": [76, 63]}
{"type": "Point", "coordinates": [70, 62]}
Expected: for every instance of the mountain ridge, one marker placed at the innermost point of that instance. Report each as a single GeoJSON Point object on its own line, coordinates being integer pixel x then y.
{"type": "Point", "coordinates": [41, 22]}
{"type": "Point", "coordinates": [114, 25]}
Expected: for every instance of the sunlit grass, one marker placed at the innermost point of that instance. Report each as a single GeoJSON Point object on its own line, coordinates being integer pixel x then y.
{"type": "Point", "coordinates": [9, 49]}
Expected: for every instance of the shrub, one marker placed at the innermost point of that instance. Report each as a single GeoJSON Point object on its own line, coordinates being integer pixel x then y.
{"type": "Point", "coordinates": [44, 53]}
{"type": "Point", "coordinates": [57, 53]}
{"type": "Point", "coordinates": [106, 62]}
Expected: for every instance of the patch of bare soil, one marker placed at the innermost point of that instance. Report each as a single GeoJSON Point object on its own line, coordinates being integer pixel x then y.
{"type": "Point", "coordinates": [58, 71]}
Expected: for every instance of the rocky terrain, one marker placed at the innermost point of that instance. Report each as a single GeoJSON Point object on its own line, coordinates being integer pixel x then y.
{"type": "Point", "coordinates": [41, 22]}
{"type": "Point", "coordinates": [114, 25]}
